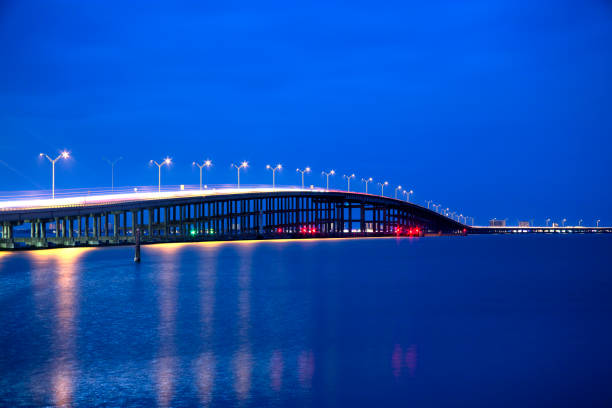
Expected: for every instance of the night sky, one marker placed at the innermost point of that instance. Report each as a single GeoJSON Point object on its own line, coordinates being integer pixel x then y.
{"type": "Point", "coordinates": [493, 108]}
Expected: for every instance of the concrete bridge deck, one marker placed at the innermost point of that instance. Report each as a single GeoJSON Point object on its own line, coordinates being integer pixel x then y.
{"type": "Point", "coordinates": [212, 215]}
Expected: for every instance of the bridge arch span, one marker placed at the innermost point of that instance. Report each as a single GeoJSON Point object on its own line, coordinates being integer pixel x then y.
{"type": "Point", "coordinates": [282, 213]}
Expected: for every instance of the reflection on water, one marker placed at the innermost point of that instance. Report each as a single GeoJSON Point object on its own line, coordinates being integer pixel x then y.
{"type": "Point", "coordinates": [205, 364]}
{"type": "Point", "coordinates": [64, 266]}
{"type": "Point", "coordinates": [402, 361]}
{"type": "Point", "coordinates": [309, 323]}
{"type": "Point", "coordinates": [166, 364]}
{"type": "Point", "coordinates": [243, 360]}
{"type": "Point", "coordinates": [276, 370]}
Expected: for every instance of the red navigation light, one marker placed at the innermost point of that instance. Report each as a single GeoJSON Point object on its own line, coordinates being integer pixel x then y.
{"type": "Point", "coordinates": [279, 230]}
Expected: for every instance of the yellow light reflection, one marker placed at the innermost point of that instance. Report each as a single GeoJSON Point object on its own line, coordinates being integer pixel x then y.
{"type": "Point", "coordinates": [206, 364]}
{"type": "Point", "coordinates": [243, 361]}
{"type": "Point", "coordinates": [165, 364]}
{"type": "Point", "coordinates": [63, 265]}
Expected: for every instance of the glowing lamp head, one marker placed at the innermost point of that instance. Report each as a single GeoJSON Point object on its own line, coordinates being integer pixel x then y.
{"type": "Point", "coordinates": [268, 166]}
{"type": "Point", "coordinates": [65, 154]}
{"type": "Point", "coordinates": [167, 160]}
{"type": "Point", "coordinates": [41, 155]}
{"type": "Point", "coordinates": [244, 164]}
{"type": "Point", "coordinates": [307, 169]}
{"type": "Point", "coordinates": [278, 166]}
{"type": "Point", "coordinates": [332, 172]}
{"type": "Point", "coordinates": [399, 187]}
{"type": "Point", "coordinates": [208, 163]}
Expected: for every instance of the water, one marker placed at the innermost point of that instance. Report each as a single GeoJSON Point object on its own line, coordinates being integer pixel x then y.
{"type": "Point", "coordinates": [448, 321]}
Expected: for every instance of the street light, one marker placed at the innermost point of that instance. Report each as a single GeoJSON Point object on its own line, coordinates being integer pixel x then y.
{"type": "Point", "coordinates": [207, 163]}
{"type": "Point", "coordinates": [242, 165]}
{"type": "Point", "coordinates": [306, 170]}
{"type": "Point", "coordinates": [331, 173]}
{"type": "Point", "coordinates": [408, 192]}
{"type": "Point", "coordinates": [382, 187]}
{"type": "Point", "coordinates": [348, 180]}
{"type": "Point", "coordinates": [598, 223]}
{"type": "Point", "coordinates": [366, 181]}
{"type": "Point", "coordinates": [547, 221]}
{"type": "Point", "coordinates": [580, 222]}
{"type": "Point", "coordinates": [278, 167]}
{"type": "Point", "coordinates": [63, 155]}
{"type": "Point", "coordinates": [398, 188]}
{"type": "Point", "coordinates": [563, 222]}
{"type": "Point", "coordinates": [166, 162]}
{"type": "Point", "coordinates": [428, 202]}
{"type": "Point", "coordinates": [112, 164]}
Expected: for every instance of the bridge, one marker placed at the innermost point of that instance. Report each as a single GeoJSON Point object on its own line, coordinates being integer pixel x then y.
{"type": "Point", "coordinates": [224, 214]}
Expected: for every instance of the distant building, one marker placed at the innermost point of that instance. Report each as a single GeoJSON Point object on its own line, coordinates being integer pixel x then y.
{"type": "Point", "coordinates": [497, 223]}
{"type": "Point", "coordinates": [523, 223]}
{"type": "Point", "coordinates": [555, 225]}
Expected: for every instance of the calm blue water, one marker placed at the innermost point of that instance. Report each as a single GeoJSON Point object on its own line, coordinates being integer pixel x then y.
{"type": "Point", "coordinates": [431, 322]}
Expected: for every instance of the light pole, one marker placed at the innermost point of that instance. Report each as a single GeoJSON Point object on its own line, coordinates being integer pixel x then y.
{"type": "Point", "coordinates": [366, 181]}
{"type": "Point", "coordinates": [398, 188]}
{"type": "Point", "coordinates": [63, 155]}
{"type": "Point", "coordinates": [348, 181]}
{"type": "Point", "coordinates": [112, 164]}
{"type": "Point", "coordinates": [580, 222]}
{"type": "Point", "coordinates": [278, 167]}
{"type": "Point", "coordinates": [306, 170]}
{"type": "Point", "coordinates": [167, 162]}
{"type": "Point", "coordinates": [598, 223]}
{"type": "Point", "coordinates": [408, 194]}
{"type": "Point", "coordinates": [428, 202]}
{"type": "Point", "coordinates": [242, 165]}
{"type": "Point", "coordinates": [331, 173]}
{"type": "Point", "coordinates": [382, 187]}
{"type": "Point", "coordinates": [207, 163]}
{"type": "Point", "coordinates": [563, 222]}
{"type": "Point", "coordinates": [547, 221]}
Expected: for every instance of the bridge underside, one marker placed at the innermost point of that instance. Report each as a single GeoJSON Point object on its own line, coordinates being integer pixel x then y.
{"type": "Point", "coordinates": [221, 217]}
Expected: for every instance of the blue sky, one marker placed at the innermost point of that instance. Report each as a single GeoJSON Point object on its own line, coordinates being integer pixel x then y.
{"type": "Point", "coordinates": [498, 109]}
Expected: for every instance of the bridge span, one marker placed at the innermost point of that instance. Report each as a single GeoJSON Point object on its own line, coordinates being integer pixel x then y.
{"type": "Point", "coordinates": [227, 214]}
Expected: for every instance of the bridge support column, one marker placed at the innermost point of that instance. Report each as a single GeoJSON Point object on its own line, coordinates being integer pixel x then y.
{"type": "Point", "coordinates": [69, 222]}
{"type": "Point", "coordinates": [135, 224]}
{"type": "Point", "coordinates": [150, 211]}
{"type": "Point", "coordinates": [115, 224]}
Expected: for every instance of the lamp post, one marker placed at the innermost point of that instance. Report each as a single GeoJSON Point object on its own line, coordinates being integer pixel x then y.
{"type": "Point", "coordinates": [428, 202]}
{"type": "Point", "coordinates": [563, 222]}
{"type": "Point", "coordinates": [166, 162]}
{"type": "Point", "coordinates": [348, 181]}
{"type": "Point", "coordinates": [598, 223]}
{"type": "Point", "coordinates": [382, 187]}
{"type": "Point", "coordinates": [207, 163]}
{"type": "Point", "coordinates": [112, 164]}
{"type": "Point", "coordinates": [278, 167]}
{"type": "Point", "coordinates": [331, 173]}
{"type": "Point", "coordinates": [580, 222]}
{"type": "Point", "coordinates": [398, 188]}
{"type": "Point", "coordinates": [242, 165]}
{"type": "Point", "coordinates": [306, 170]}
{"type": "Point", "coordinates": [366, 181]}
{"type": "Point", "coordinates": [408, 192]}
{"type": "Point", "coordinates": [547, 221]}
{"type": "Point", "coordinates": [63, 155]}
